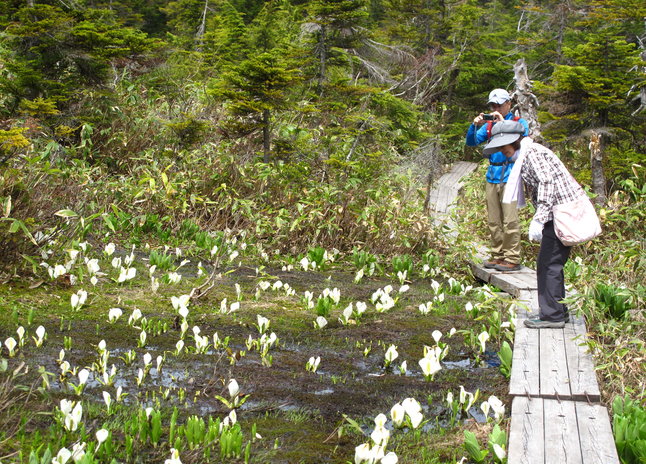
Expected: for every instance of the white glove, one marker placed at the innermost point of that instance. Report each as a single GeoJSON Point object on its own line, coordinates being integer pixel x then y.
{"type": "Point", "coordinates": [535, 231]}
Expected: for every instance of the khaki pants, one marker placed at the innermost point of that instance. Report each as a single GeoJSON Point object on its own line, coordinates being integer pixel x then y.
{"type": "Point", "coordinates": [503, 225]}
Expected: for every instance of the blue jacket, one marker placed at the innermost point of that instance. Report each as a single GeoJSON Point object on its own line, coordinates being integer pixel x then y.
{"type": "Point", "coordinates": [499, 166]}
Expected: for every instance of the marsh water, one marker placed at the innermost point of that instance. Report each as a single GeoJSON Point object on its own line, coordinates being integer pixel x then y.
{"type": "Point", "coordinates": [297, 412]}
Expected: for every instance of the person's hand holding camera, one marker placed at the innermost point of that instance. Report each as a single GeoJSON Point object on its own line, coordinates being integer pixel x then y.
{"type": "Point", "coordinates": [486, 117]}
{"type": "Point", "coordinates": [478, 120]}
{"type": "Point", "coordinates": [496, 116]}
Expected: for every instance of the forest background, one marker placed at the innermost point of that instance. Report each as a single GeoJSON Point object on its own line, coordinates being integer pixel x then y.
{"type": "Point", "coordinates": [329, 91]}
{"type": "Point", "coordinates": [311, 123]}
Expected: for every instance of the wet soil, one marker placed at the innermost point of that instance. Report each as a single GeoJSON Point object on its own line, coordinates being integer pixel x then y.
{"type": "Point", "coordinates": [297, 412]}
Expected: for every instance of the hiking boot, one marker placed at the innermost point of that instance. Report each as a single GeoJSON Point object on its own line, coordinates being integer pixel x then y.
{"type": "Point", "coordinates": [536, 316]}
{"type": "Point", "coordinates": [492, 263]}
{"type": "Point", "coordinates": [504, 266]}
{"type": "Point", "coordinates": [541, 324]}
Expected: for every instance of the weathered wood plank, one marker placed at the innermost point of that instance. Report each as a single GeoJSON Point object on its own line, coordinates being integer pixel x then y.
{"type": "Point", "coordinates": [462, 168]}
{"type": "Point", "coordinates": [449, 197]}
{"type": "Point", "coordinates": [526, 435]}
{"type": "Point", "coordinates": [458, 170]}
{"type": "Point", "coordinates": [529, 278]}
{"type": "Point", "coordinates": [514, 283]}
{"type": "Point", "coordinates": [525, 368]}
{"type": "Point", "coordinates": [583, 378]}
{"type": "Point", "coordinates": [444, 199]}
{"type": "Point", "coordinates": [553, 365]}
{"type": "Point", "coordinates": [595, 434]}
{"type": "Point", "coordinates": [561, 432]}
{"type": "Point", "coordinates": [530, 299]}
{"type": "Point", "coordinates": [447, 187]}
{"type": "Point", "coordinates": [480, 272]}
{"type": "Point", "coordinates": [508, 282]}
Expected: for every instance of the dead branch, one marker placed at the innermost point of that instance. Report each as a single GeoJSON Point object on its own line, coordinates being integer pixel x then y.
{"type": "Point", "coordinates": [205, 288]}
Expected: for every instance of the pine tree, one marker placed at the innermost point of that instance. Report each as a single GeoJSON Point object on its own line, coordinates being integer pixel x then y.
{"type": "Point", "coordinates": [255, 89]}
{"type": "Point", "coordinates": [51, 53]}
{"type": "Point", "coordinates": [225, 40]}
{"type": "Point", "coordinates": [338, 26]}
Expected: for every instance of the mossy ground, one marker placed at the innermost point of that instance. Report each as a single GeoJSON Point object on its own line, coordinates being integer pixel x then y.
{"type": "Point", "coordinates": [298, 413]}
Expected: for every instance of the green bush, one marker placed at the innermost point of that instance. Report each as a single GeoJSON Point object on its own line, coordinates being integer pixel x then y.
{"type": "Point", "coordinates": [162, 260]}
{"type": "Point", "coordinates": [629, 430]}
{"type": "Point", "coordinates": [615, 301]}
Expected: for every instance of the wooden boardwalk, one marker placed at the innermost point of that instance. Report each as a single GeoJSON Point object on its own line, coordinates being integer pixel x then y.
{"type": "Point", "coordinates": [556, 417]}
{"type": "Point", "coordinates": [447, 187]}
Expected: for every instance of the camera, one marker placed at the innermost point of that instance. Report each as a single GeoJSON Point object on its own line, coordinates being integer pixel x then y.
{"type": "Point", "coordinates": [488, 117]}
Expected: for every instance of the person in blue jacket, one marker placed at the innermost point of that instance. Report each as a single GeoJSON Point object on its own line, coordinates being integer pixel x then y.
{"type": "Point", "coordinates": [501, 218]}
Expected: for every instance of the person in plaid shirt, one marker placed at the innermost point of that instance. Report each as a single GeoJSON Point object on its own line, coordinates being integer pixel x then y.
{"type": "Point", "coordinates": [547, 182]}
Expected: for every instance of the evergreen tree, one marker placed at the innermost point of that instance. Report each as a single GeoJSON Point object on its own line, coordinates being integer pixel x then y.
{"type": "Point", "coordinates": [276, 26]}
{"type": "Point", "coordinates": [255, 89]}
{"type": "Point", "coordinates": [339, 26]}
{"type": "Point", "coordinates": [225, 40]}
{"type": "Point", "coordinates": [52, 53]}
{"type": "Point", "coordinates": [184, 19]}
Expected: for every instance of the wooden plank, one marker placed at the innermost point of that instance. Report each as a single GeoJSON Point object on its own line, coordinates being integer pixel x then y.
{"type": "Point", "coordinates": [449, 179]}
{"type": "Point", "coordinates": [465, 167]}
{"type": "Point", "coordinates": [443, 198]}
{"type": "Point", "coordinates": [530, 299]}
{"type": "Point", "coordinates": [447, 187]}
{"type": "Point", "coordinates": [508, 282]}
{"type": "Point", "coordinates": [480, 272]}
{"type": "Point", "coordinates": [561, 432]}
{"type": "Point", "coordinates": [576, 372]}
{"type": "Point", "coordinates": [583, 378]}
{"type": "Point", "coordinates": [459, 169]}
{"type": "Point", "coordinates": [513, 283]}
{"type": "Point", "coordinates": [595, 434]}
{"type": "Point", "coordinates": [450, 196]}
{"type": "Point", "coordinates": [528, 278]}
{"type": "Point", "coordinates": [432, 197]}
{"type": "Point", "coordinates": [553, 366]}
{"type": "Point", "coordinates": [526, 434]}
{"type": "Point", "coordinates": [525, 367]}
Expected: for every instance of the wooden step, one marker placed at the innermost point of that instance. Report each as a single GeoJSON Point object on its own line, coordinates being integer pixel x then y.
{"type": "Point", "coordinates": [513, 283]}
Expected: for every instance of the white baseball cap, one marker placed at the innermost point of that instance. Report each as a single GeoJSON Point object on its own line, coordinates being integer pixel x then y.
{"type": "Point", "coordinates": [498, 96]}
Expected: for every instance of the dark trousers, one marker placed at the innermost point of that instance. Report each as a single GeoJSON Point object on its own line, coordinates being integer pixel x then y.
{"type": "Point", "coordinates": [549, 273]}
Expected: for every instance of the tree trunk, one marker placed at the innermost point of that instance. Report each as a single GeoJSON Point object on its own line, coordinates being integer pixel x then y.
{"type": "Point", "coordinates": [201, 29]}
{"type": "Point", "coordinates": [526, 102]}
{"type": "Point", "coordinates": [642, 92]}
{"type": "Point", "coordinates": [596, 165]}
{"type": "Point", "coordinates": [265, 135]}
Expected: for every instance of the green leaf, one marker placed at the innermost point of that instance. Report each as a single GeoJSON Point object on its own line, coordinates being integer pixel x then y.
{"type": "Point", "coordinates": [473, 447]}
{"type": "Point", "coordinates": [108, 222]}
{"type": "Point", "coordinates": [66, 213]}
{"type": "Point", "coordinates": [355, 425]}
{"type": "Point", "coordinates": [15, 226]}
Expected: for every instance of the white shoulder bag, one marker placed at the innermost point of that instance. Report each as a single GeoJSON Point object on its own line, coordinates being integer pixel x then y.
{"type": "Point", "coordinates": [576, 222]}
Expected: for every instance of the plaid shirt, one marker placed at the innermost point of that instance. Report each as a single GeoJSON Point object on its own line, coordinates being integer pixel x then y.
{"type": "Point", "coordinates": [547, 181]}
